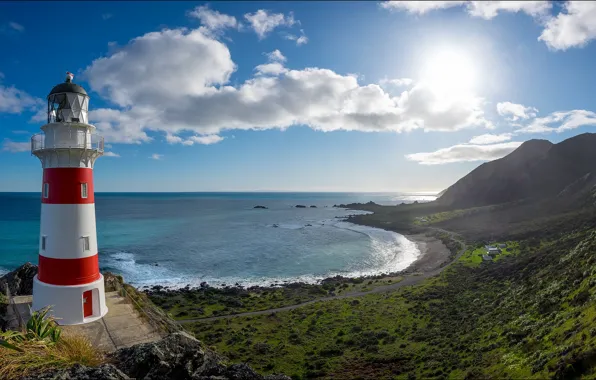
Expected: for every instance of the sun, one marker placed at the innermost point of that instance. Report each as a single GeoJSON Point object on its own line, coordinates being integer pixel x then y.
{"type": "Point", "coordinates": [449, 73]}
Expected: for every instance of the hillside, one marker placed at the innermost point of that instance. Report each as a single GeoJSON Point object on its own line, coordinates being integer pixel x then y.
{"type": "Point", "coordinates": [537, 169]}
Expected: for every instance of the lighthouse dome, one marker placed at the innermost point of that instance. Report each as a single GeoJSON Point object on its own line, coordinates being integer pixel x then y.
{"type": "Point", "coordinates": [68, 87]}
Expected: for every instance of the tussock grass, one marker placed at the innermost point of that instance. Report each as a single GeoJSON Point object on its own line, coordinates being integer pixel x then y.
{"type": "Point", "coordinates": [42, 356]}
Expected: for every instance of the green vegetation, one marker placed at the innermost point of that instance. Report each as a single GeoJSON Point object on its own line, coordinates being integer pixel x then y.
{"type": "Point", "coordinates": [528, 314]}
{"type": "Point", "coordinates": [473, 256]}
{"type": "Point", "coordinates": [41, 347]}
{"type": "Point", "coordinates": [207, 301]}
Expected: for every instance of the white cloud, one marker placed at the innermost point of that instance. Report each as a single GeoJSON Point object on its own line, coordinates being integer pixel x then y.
{"type": "Point", "coordinates": [300, 40]}
{"type": "Point", "coordinates": [490, 138]}
{"type": "Point", "coordinates": [575, 26]}
{"type": "Point", "coordinates": [207, 139]}
{"type": "Point", "coordinates": [564, 121]}
{"type": "Point", "coordinates": [263, 22]}
{"type": "Point", "coordinates": [16, 26]}
{"type": "Point", "coordinates": [13, 146]}
{"type": "Point", "coordinates": [177, 80]}
{"type": "Point", "coordinates": [213, 21]}
{"type": "Point", "coordinates": [483, 9]}
{"type": "Point", "coordinates": [156, 156]}
{"type": "Point", "coordinates": [274, 68]}
{"type": "Point", "coordinates": [276, 56]}
{"type": "Point", "coordinates": [395, 83]}
{"type": "Point", "coordinates": [111, 154]}
{"type": "Point", "coordinates": [13, 100]}
{"type": "Point", "coordinates": [464, 153]}
{"type": "Point", "coordinates": [515, 112]}
{"type": "Point", "coordinates": [419, 7]}
{"type": "Point", "coordinates": [490, 9]}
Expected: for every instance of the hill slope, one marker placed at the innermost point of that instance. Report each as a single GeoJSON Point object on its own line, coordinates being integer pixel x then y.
{"type": "Point", "coordinates": [537, 169]}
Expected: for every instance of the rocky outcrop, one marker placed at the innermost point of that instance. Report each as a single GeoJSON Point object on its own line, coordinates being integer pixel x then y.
{"type": "Point", "coordinates": [81, 372]}
{"type": "Point", "coordinates": [20, 280]}
{"type": "Point", "coordinates": [300, 206]}
{"type": "Point", "coordinates": [178, 356]}
{"type": "Point", "coordinates": [259, 206]}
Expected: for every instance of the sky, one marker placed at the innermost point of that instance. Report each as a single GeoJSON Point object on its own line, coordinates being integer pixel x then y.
{"type": "Point", "coordinates": [297, 96]}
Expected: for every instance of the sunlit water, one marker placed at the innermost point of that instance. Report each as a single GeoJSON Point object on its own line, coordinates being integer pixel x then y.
{"type": "Point", "coordinates": [188, 238]}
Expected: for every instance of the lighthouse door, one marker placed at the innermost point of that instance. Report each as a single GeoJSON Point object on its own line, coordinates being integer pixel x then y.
{"type": "Point", "coordinates": [87, 304]}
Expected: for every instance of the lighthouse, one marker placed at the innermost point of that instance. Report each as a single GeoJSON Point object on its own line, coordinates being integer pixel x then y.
{"type": "Point", "coordinates": [68, 279]}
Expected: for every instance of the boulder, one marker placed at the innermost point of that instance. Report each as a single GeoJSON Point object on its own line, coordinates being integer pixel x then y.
{"type": "Point", "coordinates": [313, 206]}
{"type": "Point", "coordinates": [180, 356]}
{"type": "Point", "coordinates": [263, 207]}
{"type": "Point", "coordinates": [81, 372]}
{"type": "Point", "coordinates": [20, 280]}
{"type": "Point", "coordinates": [300, 206]}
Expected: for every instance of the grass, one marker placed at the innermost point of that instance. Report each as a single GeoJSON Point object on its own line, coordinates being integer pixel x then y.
{"type": "Point", "coordinates": [39, 356]}
{"type": "Point", "coordinates": [206, 302]}
{"type": "Point", "coordinates": [473, 256]}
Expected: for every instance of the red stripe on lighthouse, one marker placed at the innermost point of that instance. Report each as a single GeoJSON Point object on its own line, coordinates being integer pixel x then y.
{"type": "Point", "coordinates": [65, 185]}
{"type": "Point", "coordinates": [68, 271]}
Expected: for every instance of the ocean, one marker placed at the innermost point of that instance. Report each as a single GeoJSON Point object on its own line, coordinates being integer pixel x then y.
{"type": "Point", "coordinates": [175, 239]}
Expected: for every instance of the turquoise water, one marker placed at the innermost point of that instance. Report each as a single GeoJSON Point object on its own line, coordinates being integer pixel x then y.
{"type": "Point", "coordinates": [186, 238]}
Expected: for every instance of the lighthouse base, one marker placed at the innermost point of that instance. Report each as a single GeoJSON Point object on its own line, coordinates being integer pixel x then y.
{"type": "Point", "coordinates": [71, 304]}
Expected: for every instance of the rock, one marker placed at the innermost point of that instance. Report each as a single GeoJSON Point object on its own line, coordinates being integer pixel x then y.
{"type": "Point", "coordinates": [313, 206]}
{"type": "Point", "coordinates": [275, 225]}
{"type": "Point", "coordinates": [180, 356]}
{"type": "Point", "coordinates": [308, 225]}
{"type": "Point", "coordinates": [20, 280]}
{"type": "Point", "coordinates": [258, 206]}
{"type": "Point", "coordinates": [81, 372]}
{"type": "Point", "coordinates": [300, 206]}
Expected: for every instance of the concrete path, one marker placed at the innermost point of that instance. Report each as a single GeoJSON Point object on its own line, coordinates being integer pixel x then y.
{"type": "Point", "coordinates": [407, 281]}
{"type": "Point", "coordinates": [121, 327]}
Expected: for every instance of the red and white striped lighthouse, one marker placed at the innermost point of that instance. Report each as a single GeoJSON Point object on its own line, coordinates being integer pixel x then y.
{"type": "Point", "coordinates": [68, 279]}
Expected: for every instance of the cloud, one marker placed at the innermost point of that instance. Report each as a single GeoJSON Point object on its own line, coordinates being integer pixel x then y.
{"type": "Point", "coordinates": [207, 139]}
{"type": "Point", "coordinates": [111, 154]}
{"type": "Point", "coordinates": [565, 120]}
{"type": "Point", "coordinates": [13, 146]}
{"type": "Point", "coordinates": [178, 80]}
{"type": "Point", "coordinates": [484, 9]}
{"type": "Point", "coordinates": [515, 112]}
{"type": "Point", "coordinates": [21, 132]}
{"type": "Point", "coordinates": [156, 156]}
{"type": "Point", "coordinates": [395, 83]}
{"type": "Point", "coordinates": [419, 7]}
{"type": "Point", "coordinates": [490, 138]}
{"type": "Point", "coordinates": [263, 22]}
{"type": "Point", "coordinates": [464, 153]}
{"type": "Point", "coordinates": [16, 26]}
{"type": "Point", "coordinates": [300, 40]}
{"type": "Point", "coordinates": [107, 16]}
{"type": "Point", "coordinates": [276, 56]}
{"type": "Point", "coordinates": [214, 21]}
{"type": "Point", "coordinates": [575, 26]}
{"type": "Point", "coordinates": [13, 100]}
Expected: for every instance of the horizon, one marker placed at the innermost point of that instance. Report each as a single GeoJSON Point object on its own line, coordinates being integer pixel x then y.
{"type": "Point", "coordinates": [360, 97]}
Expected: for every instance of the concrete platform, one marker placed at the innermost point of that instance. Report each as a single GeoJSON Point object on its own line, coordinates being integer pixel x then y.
{"type": "Point", "coordinates": [120, 327]}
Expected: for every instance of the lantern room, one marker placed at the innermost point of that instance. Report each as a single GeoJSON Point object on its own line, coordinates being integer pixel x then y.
{"type": "Point", "coordinates": [68, 103]}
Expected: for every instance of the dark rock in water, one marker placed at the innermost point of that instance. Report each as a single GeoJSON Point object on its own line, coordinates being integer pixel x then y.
{"type": "Point", "coordinates": [300, 206]}
{"type": "Point", "coordinates": [155, 264]}
{"type": "Point", "coordinates": [203, 285]}
{"type": "Point", "coordinates": [308, 225]}
{"type": "Point", "coordinates": [81, 372]}
{"type": "Point", "coordinates": [258, 206]}
{"type": "Point", "coordinates": [313, 206]}
{"type": "Point", "coordinates": [180, 356]}
{"type": "Point", "coordinates": [275, 225]}
{"type": "Point", "coordinates": [20, 280]}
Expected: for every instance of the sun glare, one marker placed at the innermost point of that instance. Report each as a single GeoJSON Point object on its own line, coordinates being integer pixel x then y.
{"type": "Point", "coordinates": [449, 73]}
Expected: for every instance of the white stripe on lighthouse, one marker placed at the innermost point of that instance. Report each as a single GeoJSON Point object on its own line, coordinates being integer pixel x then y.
{"type": "Point", "coordinates": [65, 226]}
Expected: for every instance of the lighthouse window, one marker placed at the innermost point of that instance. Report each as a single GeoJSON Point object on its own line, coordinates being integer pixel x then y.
{"type": "Point", "coordinates": [46, 190]}
{"type": "Point", "coordinates": [83, 190]}
{"type": "Point", "coordinates": [43, 243]}
{"type": "Point", "coordinates": [86, 243]}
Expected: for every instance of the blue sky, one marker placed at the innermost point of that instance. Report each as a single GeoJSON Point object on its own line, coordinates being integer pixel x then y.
{"type": "Point", "coordinates": [303, 96]}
